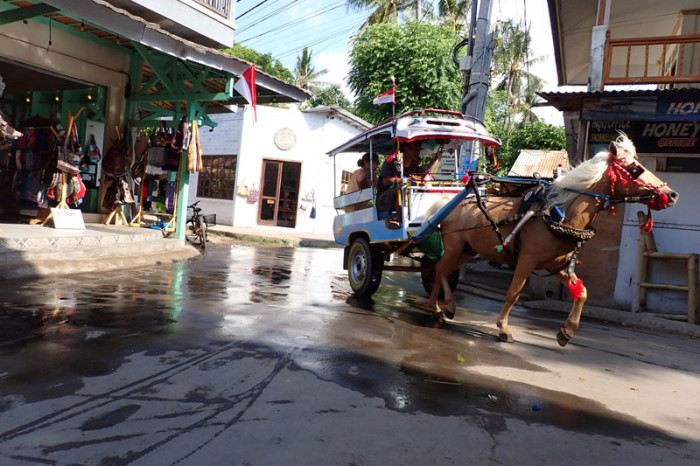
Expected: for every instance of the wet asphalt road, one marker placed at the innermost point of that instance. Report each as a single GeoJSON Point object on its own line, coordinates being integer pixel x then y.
{"type": "Point", "coordinates": [260, 355]}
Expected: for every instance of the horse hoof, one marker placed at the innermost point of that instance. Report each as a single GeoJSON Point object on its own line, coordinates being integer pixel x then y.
{"type": "Point", "coordinates": [562, 339]}
{"type": "Point", "coordinates": [449, 314]}
{"type": "Point", "coordinates": [506, 337]}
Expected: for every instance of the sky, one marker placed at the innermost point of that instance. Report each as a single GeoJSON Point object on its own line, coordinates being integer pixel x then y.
{"type": "Point", "coordinates": [284, 27]}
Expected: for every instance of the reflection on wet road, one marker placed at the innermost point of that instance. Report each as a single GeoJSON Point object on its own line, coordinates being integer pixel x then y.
{"type": "Point", "coordinates": [285, 308]}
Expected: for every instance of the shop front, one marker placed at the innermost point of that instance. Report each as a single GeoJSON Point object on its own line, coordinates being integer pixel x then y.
{"type": "Point", "coordinates": [107, 104]}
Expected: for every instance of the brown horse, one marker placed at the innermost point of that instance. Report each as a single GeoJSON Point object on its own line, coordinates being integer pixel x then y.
{"type": "Point", "coordinates": [580, 194]}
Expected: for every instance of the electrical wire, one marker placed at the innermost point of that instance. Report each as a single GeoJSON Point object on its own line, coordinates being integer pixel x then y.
{"type": "Point", "coordinates": [292, 23]}
{"type": "Point", "coordinates": [250, 9]}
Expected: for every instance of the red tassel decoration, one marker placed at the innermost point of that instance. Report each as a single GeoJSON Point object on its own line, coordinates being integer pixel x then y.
{"type": "Point", "coordinates": [575, 288]}
{"type": "Point", "coordinates": [646, 228]}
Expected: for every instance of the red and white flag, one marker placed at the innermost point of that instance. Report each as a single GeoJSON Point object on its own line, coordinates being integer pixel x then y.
{"type": "Point", "coordinates": [246, 88]}
{"type": "Point", "coordinates": [385, 98]}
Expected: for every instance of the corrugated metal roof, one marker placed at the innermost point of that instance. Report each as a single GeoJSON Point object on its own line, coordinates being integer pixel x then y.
{"type": "Point", "coordinates": [544, 162]}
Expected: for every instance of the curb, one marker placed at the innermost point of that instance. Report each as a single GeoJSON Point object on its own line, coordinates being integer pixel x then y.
{"type": "Point", "coordinates": [624, 318]}
{"type": "Point", "coordinates": [273, 241]}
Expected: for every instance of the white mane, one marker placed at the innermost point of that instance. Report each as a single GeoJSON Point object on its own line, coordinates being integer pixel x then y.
{"type": "Point", "coordinates": [586, 174]}
{"type": "Point", "coordinates": [581, 178]}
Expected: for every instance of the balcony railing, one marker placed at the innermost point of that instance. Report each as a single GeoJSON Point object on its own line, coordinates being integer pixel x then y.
{"type": "Point", "coordinates": [220, 6]}
{"type": "Point", "coordinates": [652, 60]}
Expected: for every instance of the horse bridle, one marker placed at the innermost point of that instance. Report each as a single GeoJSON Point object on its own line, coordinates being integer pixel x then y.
{"type": "Point", "coordinates": [656, 201]}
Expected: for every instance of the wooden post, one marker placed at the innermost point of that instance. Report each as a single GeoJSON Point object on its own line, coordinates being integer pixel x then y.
{"type": "Point", "coordinates": [693, 317]}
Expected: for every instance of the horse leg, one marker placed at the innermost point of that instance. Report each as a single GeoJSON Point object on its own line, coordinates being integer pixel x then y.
{"type": "Point", "coordinates": [522, 271]}
{"type": "Point", "coordinates": [449, 267]}
{"type": "Point", "coordinates": [579, 294]}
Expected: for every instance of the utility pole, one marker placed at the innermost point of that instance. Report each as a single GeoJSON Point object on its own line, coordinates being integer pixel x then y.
{"type": "Point", "coordinates": [477, 68]}
{"type": "Point", "coordinates": [419, 10]}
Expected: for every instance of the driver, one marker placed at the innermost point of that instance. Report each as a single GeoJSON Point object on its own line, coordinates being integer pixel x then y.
{"type": "Point", "coordinates": [390, 178]}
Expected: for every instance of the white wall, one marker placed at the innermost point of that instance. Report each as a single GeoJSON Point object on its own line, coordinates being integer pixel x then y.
{"type": "Point", "coordinates": [225, 139]}
{"type": "Point", "coordinates": [315, 134]}
{"type": "Point", "coordinates": [675, 230]}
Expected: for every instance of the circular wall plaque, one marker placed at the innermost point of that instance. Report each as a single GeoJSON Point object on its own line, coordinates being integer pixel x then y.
{"type": "Point", "coordinates": [285, 138]}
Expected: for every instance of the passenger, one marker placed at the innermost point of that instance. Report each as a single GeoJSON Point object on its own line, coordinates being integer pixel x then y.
{"type": "Point", "coordinates": [361, 179]}
{"type": "Point", "coordinates": [390, 178]}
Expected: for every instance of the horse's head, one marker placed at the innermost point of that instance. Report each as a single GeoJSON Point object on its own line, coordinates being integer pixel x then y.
{"type": "Point", "coordinates": [629, 178]}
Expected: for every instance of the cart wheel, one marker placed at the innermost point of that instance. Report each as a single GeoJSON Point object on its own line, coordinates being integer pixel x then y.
{"type": "Point", "coordinates": [427, 275]}
{"type": "Point", "coordinates": [364, 268]}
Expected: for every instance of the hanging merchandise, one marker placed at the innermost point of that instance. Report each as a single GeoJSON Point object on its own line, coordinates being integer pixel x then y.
{"type": "Point", "coordinates": [243, 190]}
{"type": "Point", "coordinates": [181, 137]}
{"type": "Point", "coordinates": [118, 157]}
{"type": "Point", "coordinates": [69, 154]}
{"type": "Point", "coordinates": [194, 151]}
{"type": "Point", "coordinates": [93, 153]}
{"type": "Point", "coordinates": [253, 195]}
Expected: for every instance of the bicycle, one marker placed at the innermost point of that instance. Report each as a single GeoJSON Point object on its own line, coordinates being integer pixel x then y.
{"type": "Point", "coordinates": [197, 225]}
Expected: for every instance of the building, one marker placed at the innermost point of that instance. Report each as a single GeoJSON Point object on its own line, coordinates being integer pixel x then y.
{"type": "Point", "coordinates": [274, 172]}
{"type": "Point", "coordinates": [637, 63]}
{"type": "Point", "coordinates": [119, 66]}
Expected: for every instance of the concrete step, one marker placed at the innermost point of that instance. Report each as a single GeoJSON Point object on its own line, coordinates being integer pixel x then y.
{"type": "Point", "coordinates": [33, 250]}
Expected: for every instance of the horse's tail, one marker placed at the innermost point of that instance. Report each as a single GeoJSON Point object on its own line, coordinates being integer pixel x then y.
{"type": "Point", "coordinates": [433, 209]}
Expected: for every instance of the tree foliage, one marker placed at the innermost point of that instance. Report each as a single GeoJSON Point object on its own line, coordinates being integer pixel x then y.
{"type": "Point", "coordinates": [418, 55]}
{"type": "Point", "coordinates": [453, 13]}
{"type": "Point", "coordinates": [264, 62]}
{"type": "Point", "coordinates": [329, 95]}
{"type": "Point", "coordinates": [535, 135]}
{"type": "Point", "coordinates": [511, 63]}
{"type": "Point", "coordinates": [305, 74]}
{"type": "Point", "coordinates": [383, 11]}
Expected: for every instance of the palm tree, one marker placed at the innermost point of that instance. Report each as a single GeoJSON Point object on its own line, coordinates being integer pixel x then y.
{"type": "Point", "coordinates": [385, 11]}
{"type": "Point", "coordinates": [511, 63]}
{"type": "Point", "coordinates": [453, 13]}
{"type": "Point", "coordinates": [305, 75]}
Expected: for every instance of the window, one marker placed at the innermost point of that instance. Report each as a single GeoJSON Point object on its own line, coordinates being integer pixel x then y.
{"type": "Point", "coordinates": [218, 178]}
{"type": "Point", "coordinates": [344, 180]}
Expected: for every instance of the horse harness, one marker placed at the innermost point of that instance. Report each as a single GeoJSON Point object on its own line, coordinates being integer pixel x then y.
{"type": "Point", "coordinates": [534, 201]}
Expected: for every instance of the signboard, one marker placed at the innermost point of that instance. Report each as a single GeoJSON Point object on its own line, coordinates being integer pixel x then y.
{"type": "Point", "coordinates": [68, 219]}
{"type": "Point", "coordinates": [648, 136]}
{"type": "Point", "coordinates": [445, 167]}
{"type": "Point", "coordinates": [667, 107]}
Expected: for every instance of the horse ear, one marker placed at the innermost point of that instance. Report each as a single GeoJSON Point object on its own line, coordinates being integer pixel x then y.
{"type": "Point", "coordinates": [613, 148]}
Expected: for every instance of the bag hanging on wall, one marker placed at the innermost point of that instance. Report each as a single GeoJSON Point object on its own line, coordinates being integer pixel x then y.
{"type": "Point", "coordinates": [313, 211]}
{"type": "Point", "coordinates": [243, 189]}
{"type": "Point", "coordinates": [254, 195]}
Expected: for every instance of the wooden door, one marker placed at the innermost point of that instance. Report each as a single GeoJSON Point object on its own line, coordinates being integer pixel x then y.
{"type": "Point", "coordinates": [269, 192]}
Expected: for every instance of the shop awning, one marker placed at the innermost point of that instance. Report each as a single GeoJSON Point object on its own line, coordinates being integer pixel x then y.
{"type": "Point", "coordinates": [98, 20]}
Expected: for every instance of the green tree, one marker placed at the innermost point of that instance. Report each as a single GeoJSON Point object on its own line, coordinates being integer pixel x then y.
{"type": "Point", "coordinates": [418, 55]}
{"type": "Point", "coordinates": [305, 74]}
{"type": "Point", "coordinates": [510, 64]}
{"type": "Point", "coordinates": [536, 135]}
{"type": "Point", "coordinates": [384, 11]}
{"type": "Point", "coordinates": [453, 13]}
{"type": "Point", "coordinates": [329, 95]}
{"type": "Point", "coordinates": [264, 62]}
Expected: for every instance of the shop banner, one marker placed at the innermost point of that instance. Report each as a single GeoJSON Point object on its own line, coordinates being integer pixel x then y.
{"type": "Point", "coordinates": [648, 136]}
{"type": "Point", "coordinates": [668, 107]}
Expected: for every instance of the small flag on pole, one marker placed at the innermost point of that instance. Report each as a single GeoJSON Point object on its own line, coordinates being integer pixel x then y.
{"type": "Point", "coordinates": [247, 89]}
{"type": "Point", "coordinates": [385, 98]}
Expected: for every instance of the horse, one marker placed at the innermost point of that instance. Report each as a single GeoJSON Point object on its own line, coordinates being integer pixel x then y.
{"type": "Point", "coordinates": [542, 243]}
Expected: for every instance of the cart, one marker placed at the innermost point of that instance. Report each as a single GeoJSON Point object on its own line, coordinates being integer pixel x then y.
{"type": "Point", "coordinates": [367, 235]}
